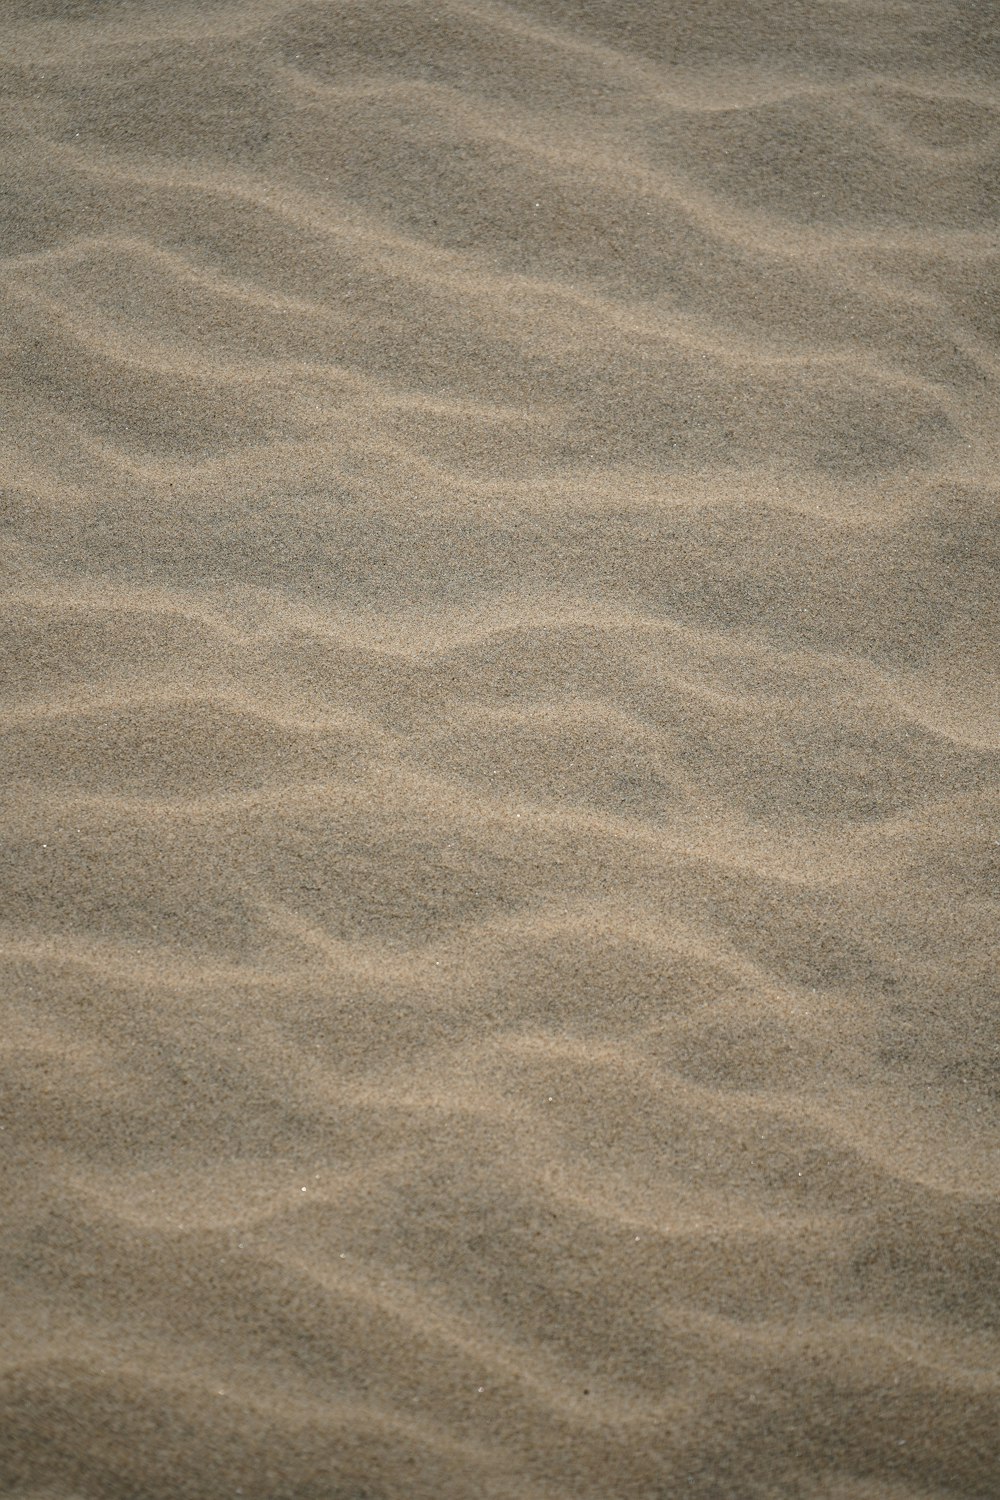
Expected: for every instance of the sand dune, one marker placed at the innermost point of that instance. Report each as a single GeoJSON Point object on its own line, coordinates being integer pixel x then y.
{"type": "Point", "coordinates": [500, 750]}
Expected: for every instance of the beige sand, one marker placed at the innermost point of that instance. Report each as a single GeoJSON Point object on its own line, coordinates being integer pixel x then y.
{"type": "Point", "coordinates": [499, 750]}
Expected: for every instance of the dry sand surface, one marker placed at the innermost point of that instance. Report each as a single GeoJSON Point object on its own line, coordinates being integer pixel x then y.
{"type": "Point", "coordinates": [499, 750]}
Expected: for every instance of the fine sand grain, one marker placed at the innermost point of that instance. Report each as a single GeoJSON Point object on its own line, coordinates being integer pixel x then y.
{"type": "Point", "coordinates": [499, 750]}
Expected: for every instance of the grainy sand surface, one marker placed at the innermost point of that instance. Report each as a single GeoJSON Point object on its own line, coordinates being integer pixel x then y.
{"type": "Point", "coordinates": [499, 750]}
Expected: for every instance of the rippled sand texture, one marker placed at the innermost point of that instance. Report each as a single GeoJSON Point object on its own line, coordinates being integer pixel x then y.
{"type": "Point", "coordinates": [499, 750]}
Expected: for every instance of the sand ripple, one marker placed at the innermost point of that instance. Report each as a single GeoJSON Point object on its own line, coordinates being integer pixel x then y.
{"type": "Point", "coordinates": [500, 751]}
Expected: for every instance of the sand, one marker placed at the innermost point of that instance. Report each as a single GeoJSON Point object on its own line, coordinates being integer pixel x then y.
{"type": "Point", "coordinates": [499, 746]}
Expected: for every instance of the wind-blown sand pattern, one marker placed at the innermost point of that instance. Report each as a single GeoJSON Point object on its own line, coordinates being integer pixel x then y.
{"type": "Point", "coordinates": [500, 747]}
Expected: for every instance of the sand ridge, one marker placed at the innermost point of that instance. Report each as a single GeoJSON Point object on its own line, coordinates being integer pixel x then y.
{"type": "Point", "coordinates": [499, 740]}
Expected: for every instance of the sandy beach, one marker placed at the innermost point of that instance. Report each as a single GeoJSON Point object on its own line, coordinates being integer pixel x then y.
{"type": "Point", "coordinates": [499, 747]}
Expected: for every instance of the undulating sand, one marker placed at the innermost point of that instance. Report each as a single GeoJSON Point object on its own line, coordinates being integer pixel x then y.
{"type": "Point", "coordinates": [499, 750]}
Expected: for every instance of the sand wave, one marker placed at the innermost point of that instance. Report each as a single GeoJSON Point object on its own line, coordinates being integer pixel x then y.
{"type": "Point", "coordinates": [500, 751]}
